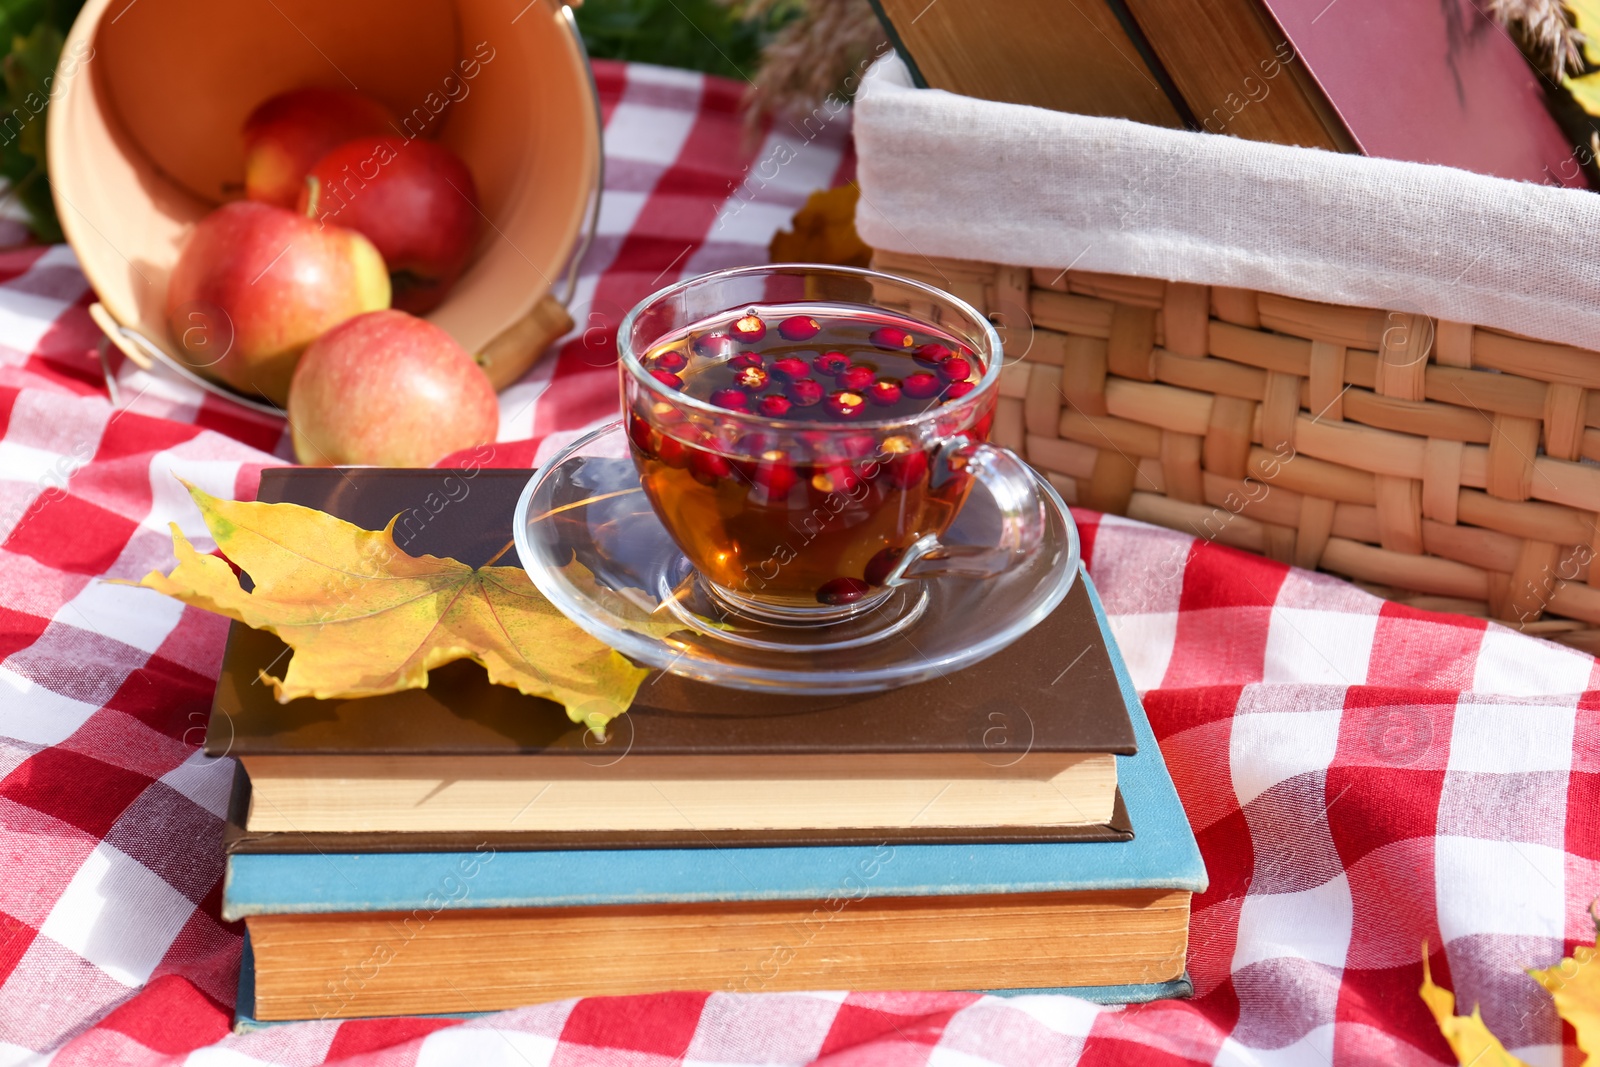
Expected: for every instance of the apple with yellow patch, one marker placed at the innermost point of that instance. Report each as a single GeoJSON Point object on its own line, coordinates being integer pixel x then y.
{"type": "Point", "coordinates": [388, 389]}
{"type": "Point", "coordinates": [255, 284]}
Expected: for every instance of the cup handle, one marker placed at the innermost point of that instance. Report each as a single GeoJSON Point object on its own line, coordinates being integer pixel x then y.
{"type": "Point", "coordinates": [1011, 483]}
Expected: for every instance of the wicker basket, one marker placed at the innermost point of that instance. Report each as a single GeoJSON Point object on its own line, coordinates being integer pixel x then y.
{"type": "Point", "coordinates": [1438, 464]}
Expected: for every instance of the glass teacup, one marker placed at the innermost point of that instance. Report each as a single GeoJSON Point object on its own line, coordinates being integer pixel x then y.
{"type": "Point", "coordinates": [806, 434]}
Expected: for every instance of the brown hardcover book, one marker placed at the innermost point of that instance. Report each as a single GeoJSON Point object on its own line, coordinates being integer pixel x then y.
{"type": "Point", "coordinates": [1087, 58]}
{"type": "Point", "coordinates": [1019, 748]}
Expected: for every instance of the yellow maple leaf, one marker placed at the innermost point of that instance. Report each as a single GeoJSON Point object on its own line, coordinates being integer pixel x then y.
{"type": "Point", "coordinates": [1574, 983]}
{"type": "Point", "coordinates": [1468, 1036]}
{"type": "Point", "coordinates": [365, 618]}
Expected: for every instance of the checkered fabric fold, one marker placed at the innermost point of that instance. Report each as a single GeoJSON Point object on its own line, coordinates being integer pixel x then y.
{"type": "Point", "coordinates": [1363, 778]}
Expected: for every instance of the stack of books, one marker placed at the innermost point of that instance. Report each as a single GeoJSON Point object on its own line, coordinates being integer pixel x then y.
{"type": "Point", "coordinates": [463, 848]}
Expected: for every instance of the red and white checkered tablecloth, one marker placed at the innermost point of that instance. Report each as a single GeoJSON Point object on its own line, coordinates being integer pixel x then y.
{"type": "Point", "coordinates": [1362, 777]}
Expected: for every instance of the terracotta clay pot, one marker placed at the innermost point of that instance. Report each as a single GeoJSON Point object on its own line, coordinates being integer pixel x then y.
{"type": "Point", "coordinates": [151, 94]}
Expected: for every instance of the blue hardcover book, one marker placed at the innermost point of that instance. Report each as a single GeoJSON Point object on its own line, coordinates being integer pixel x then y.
{"type": "Point", "coordinates": [348, 934]}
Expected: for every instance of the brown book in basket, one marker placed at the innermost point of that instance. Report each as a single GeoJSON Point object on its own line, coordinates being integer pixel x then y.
{"type": "Point", "coordinates": [1424, 82]}
{"type": "Point", "coordinates": [1021, 747]}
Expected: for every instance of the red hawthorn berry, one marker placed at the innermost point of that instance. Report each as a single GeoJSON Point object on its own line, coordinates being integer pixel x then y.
{"type": "Point", "coordinates": [843, 591]}
{"type": "Point", "coordinates": [907, 469]}
{"type": "Point", "coordinates": [753, 378]}
{"type": "Point", "coordinates": [712, 345]}
{"type": "Point", "coordinates": [790, 367]}
{"type": "Point", "coordinates": [745, 359]}
{"type": "Point", "coordinates": [884, 392]}
{"type": "Point", "coordinates": [955, 369]}
{"type": "Point", "coordinates": [799, 328]}
{"type": "Point", "coordinates": [670, 360]}
{"type": "Point", "coordinates": [672, 452]}
{"type": "Point", "coordinates": [932, 354]}
{"type": "Point", "coordinates": [920, 385]}
{"type": "Point", "coordinates": [732, 399]}
{"type": "Point", "coordinates": [892, 338]}
{"type": "Point", "coordinates": [748, 328]}
{"type": "Point", "coordinates": [639, 433]}
{"type": "Point", "coordinates": [959, 389]}
{"type": "Point", "coordinates": [774, 406]}
{"type": "Point", "coordinates": [880, 565]}
{"type": "Point", "coordinates": [667, 378]}
{"type": "Point", "coordinates": [831, 363]}
{"type": "Point", "coordinates": [775, 477]}
{"type": "Point", "coordinates": [806, 392]}
{"type": "Point", "coordinates": [855, 379]}
{"type": "Point", "coordinates": [847, 405]}
{"type": "Point", "coordinates": [708, 467]}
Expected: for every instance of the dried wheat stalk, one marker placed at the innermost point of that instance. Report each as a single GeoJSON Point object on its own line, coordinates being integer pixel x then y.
{"type": "Point", "coordinates": [1545, 31]}
{"type": "Point", "coordinates": [812, 56]}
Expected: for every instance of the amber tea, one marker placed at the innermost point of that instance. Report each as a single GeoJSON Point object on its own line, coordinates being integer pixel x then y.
{"type": "Point", "coordinates": [824, 471]}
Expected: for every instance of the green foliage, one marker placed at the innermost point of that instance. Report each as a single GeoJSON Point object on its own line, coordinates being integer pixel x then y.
{"type": "Point", "coordinates": [31, 34]}
{"type": "Point", "coordinates": [704, 35]}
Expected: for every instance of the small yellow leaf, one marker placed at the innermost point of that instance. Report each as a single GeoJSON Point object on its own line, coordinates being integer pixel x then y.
{"type": "Point", "coordinates": [365, 618]}
{"type": "Point", "coordinates": [1574, 983]}
{"type": "Point", "coordinates": [1586, 92]}
{"type": "Point", "coordinates": [824, 231]}
{"type": "Point", "coordinates": [1467, 1035]}
{"type": "Point", "coordinates": [1586, 17]}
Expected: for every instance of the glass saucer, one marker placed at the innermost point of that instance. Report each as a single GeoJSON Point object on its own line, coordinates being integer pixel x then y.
{"type": "Point", "coordinates": [592, 545]}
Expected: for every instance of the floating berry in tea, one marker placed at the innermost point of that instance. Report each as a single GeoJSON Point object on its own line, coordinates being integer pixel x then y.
{"type": "Point", "coordinates": [672, 452]}
{"type": "Point", "coordinates": [831, 363]}
{"type": "Point", "coordinates": [667, 378]}
{"type": "Point", "coordinates": [847, 405]}
{"type": "Point", "coordinates": [907, 469]}
{"type": "Point", "coordinates": [880, 566]}
{"type": "Point", "coordinates": [959, 389]}
{"type": "Point", "coordinates": [791, 367]}
{"type": "Point", "coordinates": [835, 479]}
{"type": "Point", "coordinates": [708, 467]}
{"type": "Point", "coordinates": [921, 385]}
{"type": "Point", "coordinates": [732, 399]}
{"type": "Point", "coordinates": [712, 345]}
{"type": "Point", "coordinates": [807, 392]}
{"type": "Point", "coordinates": [842, 591]}
{"type": "Point", "coordinates": [892, 338]}
{"type": "Point", "coordinates": [745, 359]}
{"type": "Point", "coordinates": [885, 392]}
{"type": "Point", "coordinates": [932, 354]}
{"type": "Point", "coordinates": [851, 445]}
{"type": "Point", "coordinates": [955, 369]}
{"type": "Point", "coordinates": [752, 378]}
{"type": "Point", "coordinates": [748, 328]}
{"type": "Point", "coordinates": [670, 360]}
{"type": "Point", "coordinates": [774, 406]}
{"type": "Point", "coordinates": [639, 433]}
{"type": "Point", "coordinates": [856, 379]}
{"type": "Point", "coordinates": [774, 477]}
{"type": "Point", "coordinates": [799, 328]}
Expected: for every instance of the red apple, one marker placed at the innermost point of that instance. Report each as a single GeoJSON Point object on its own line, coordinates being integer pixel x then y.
{"type": "Point", "coordinates": [284, 136]}
{"type": "Point", "coordinates": [415, 200]}
{"type": "Point", "coordinates": [255, 284]}
{"type": "Point", "coordinates": [389, 389]}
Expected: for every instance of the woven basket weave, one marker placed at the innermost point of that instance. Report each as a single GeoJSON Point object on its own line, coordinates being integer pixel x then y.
{"type": "Point", "coordinates": [1438, 464]}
